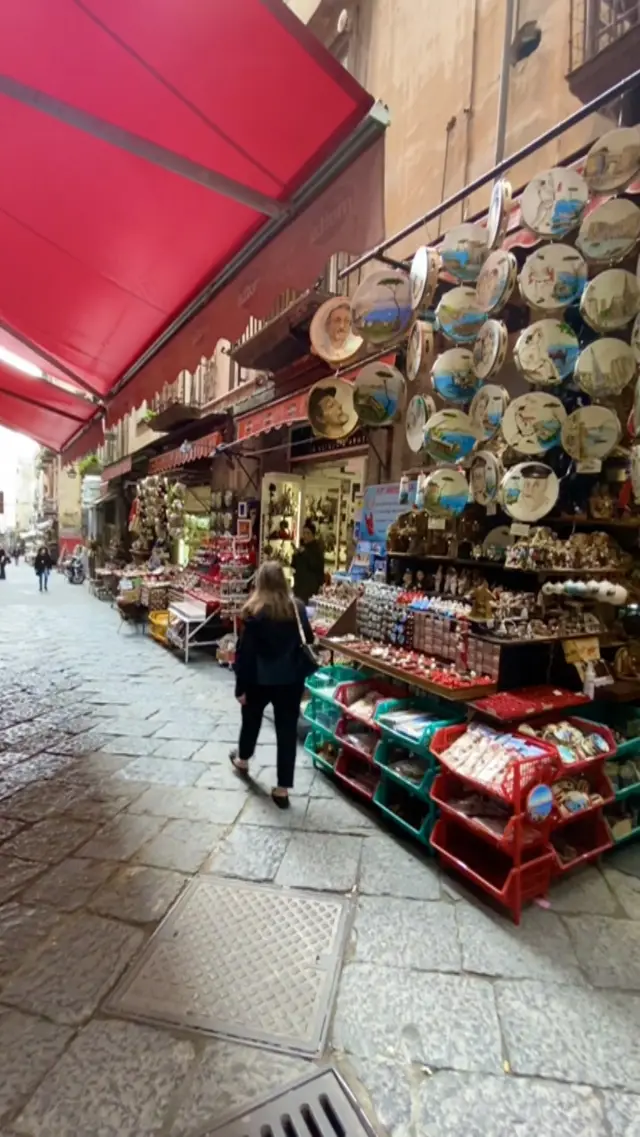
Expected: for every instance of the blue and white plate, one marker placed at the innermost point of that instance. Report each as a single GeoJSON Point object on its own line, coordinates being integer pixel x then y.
{"type": "Point", "coordinates": [459, 315]}
{"type": "Point", "coordinates": [553, 203]}
{"type": "Point", "coordinates": [446, 492]}
{"type": "Point", "coordinates": [464, 250]}
{"type": "Point", "coordinates": [450, 436]}
{"type": "Point", "coordinates": [546, 352]}
{"type": "Point", "coordinates": [553, 277]}
{"type": "Point", "coordinates": [453, 376]}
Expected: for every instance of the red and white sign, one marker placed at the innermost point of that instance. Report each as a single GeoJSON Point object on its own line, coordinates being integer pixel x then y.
{"type": "Point", "coordinates": [188, 452]}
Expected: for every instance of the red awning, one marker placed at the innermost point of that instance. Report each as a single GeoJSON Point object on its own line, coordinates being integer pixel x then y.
{"type": "Point", "coordinates": [144, 146]}
{"type": "Point", "coordinates": [188, 452]}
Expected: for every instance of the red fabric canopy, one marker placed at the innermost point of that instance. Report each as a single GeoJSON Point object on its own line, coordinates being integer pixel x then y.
{"type": "Point", "coordinates": [143, 145]}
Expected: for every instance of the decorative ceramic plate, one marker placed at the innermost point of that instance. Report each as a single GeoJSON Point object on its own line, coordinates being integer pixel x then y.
{"type": "Point", "coordinates": [446, 492]}
{"type": "Point", "coordinates": [485, 475]}
{"type": "Point", "coordinates": [459, 316]}
{"type": "Point", "coordinates": [423, 276]}
{"type": "Point", "coordinates": [553, 277]}
{"type": "Point", "coordinates": [487, 409]}
{"type": "Point", "coordinates": [635, 472]}
{"type": "Point", "coordinates": [591, 432]}
{"type": "Point", "coordinates": [605, 368]}
{"type": "Point", "coordinates": [610, 232]}
{"type": "Point", "coordinates": [378, 390]}
{"type": "Point", "coordinates": [529, 491]}
{"type": "Point", "coordinates": [614, 160]}
{"type": "Point", "coordinates": [532, 424]}
{"type": "Point", "coordinates": [331, 332]}
{"type": "Point", "coordinates": [453, 377]}
{"type": "Point", "coordinates": [418, 412]}
{"type": "Point", "coordinates": [500, 537]}
{"type": "Point", "coordinates": [611, 300]}
{"type": "Point", "coordinates": [464, 250]}
{"type": "Point", "coordinates": [635, 338]}
{"type": "Point", "coordinates": [420, 350]}
{"type": "Point", "coordinates": [381, 306]}
{"type": "Point", "coordinates": [546, 352]}
{"type": "Point", "coordinates": [490, 349]}
{"type": "Point", "coordinates": [449, 436]}
{"type": "Point", "coordinates": [553, 203]}
{"type": "Point", "coordinates": [496, 281]}
{"type": "Point", "coordinates": [330, 408]}
{"type": "Point", "coordinates": [499, 210]}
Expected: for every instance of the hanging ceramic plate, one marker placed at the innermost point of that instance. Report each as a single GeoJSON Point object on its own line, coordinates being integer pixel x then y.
{"type": "Point", "coordinates": [453, 377]}
{"type": "Point", "coordinates": [532, 424]}
{"type": "Point", "coordinates": [496, 281]}
{"type": "Point", "coordinates": [446, 492]}
{"type": "Point", "coordinates": [635, 472]}
{"type": "Point", "coordinates": [381, 306]}
{"type": "Point", "coordinates": [330, 409]}
{"type": "Point", "coordinates": [419, 411]}
{"type": "Point", "coordinates": [423, 276]}
{"type": "Point", "coordinates": [449, 436]}
{"type": "Point", "coordinates": [614, 160]}
{"type": "Point", "coordinates": [464, 250]}
{"type": "Point", "coordinates": [635, 338]}
{"type": "Point", "coordinates": [487, 409]}
{"type": "Point", "coordinates": [553, 277]}
{"type": "Point", "coordinates": [605, 368]}
{"type": "Point", "coordinates": [459, 316]}
{"type": "Point", "coordinates": [546, 352]}
{"type": "Point", "coordinates": [529, 491]}
{"type": "Point", "coordinates": [331, 332]}
{"type": "Point", "coordinates": [378, 390]}
{"type": "Point", "coordinates": [634, 414]}
{"type": "Point", "coordinates": [499, 210]}
{"type": "Point", "coordinates": [611, 300]}
{"type": "Point", "coordinates": [490, 349]}
{"type": "Point", "coordinates": [485, 475]}
{"type": "Point", "coordinates": [500, 537]}
{"type": "Point", "coordinates": [591, 432]}
{"type": "Point", "coordinates": [420, 350]}
{"type": "Point", "coordinates": [610, 232]}
{"type": "Point", "coordinates": [553, 203]}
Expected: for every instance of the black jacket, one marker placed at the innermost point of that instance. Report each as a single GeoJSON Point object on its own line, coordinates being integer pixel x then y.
{"type": "Point", "coordinates": [42, 563]}
{"type": "Point", "coordinates": [269, 652]}
{"type": "Point", "coordinates": [308, 570]}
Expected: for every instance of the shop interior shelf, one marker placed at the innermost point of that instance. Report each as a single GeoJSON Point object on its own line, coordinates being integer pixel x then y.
{"type": "Point", "coordinates": [490, 869]}
{"type": "Point", "coordinates": [520, 775]}
{"type": "Point", "coordinates": [389, 752]}
{"type": "Point", "coordinates": [357, 773]}
{"type": "Point", "coordinates": [628, 791]}
{"type": "Point", "coordinates": [435, 713]}
{"type": "Point", "coordinates": [528, 702]}
{"type": "Point", "coordinates": [588, 836]}
{"type": "Point", "coordinates": [354, 691]}
{"type": "Point", "coordinates": [410, 678]}
{"type": "Point", "coordinates": [599, 784]}
{"type": "Point", "coordinates": [587, 726]}
{"type": "Point", "coordinates": [409, 813]}
{"type": "Point", "coordinates": [449, 791]}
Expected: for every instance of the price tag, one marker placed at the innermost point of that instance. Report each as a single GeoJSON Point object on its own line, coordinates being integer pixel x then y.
{"type": "Point", "coordinates": [436, 523]}
{"type": "Point", "coordinates": [519, 529]}
{"type": "Point", "coordinates": [589, 466]}
{"type": "Point", "coordinates": [582, 651]}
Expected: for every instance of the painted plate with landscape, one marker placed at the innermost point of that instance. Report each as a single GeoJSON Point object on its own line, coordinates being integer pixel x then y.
{"type": "Point", "coordinates": [464, 250]}
{"type": "Point", "coordinates": [453, 376]}
{"type": "Point", "coordinates": [546, 352]}
{"type": "Point", "coordinates": [382, 309]}
{"type": "Point", "coordinates": [499, 210]}
{"type": "Point", "coordinates": [490, 349]}
{"type": "Point", "coordinates": [553, 203]}
{"type": "Point", "coordinates": [420, 350]}
{"type": "Point", "coordinates": [614, 160]}
{"type": "Point", "coordinates": [611, 300]}
{"type": "Point", "coordinates": [610, 232]}
{"type": "Point", "coordinates": [533, 423]}
{"type": "Point", "coordinates": [605, 368]}
{"type": "Point", "coordinates": [496, 281]}
{"type": "Point", "coordinates": [446, 492]}
{"type": "Point", "coordinates": [450, 436]}
{"type": "Point", "coordinates": [378, 391]}
{"type": "Point", "coordinates": [553, 277]}
{"type": "Point", "coordinates": [591, 432]}
{"type": "Point", "coordinates": [487, 409]}
{"type": "Point", "coordinates": [459, 316]}
{"type": "Point", "coordinates": [423, 276]}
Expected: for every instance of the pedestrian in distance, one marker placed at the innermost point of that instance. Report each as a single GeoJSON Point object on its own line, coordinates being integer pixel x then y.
{"type": "Point", "coordinates": [4, 561]}
{"type": "Point", "coordinates": [308, 564]}
{"type": "Point", "coordinates": [271, 665]}
{"type": "Point", "coordinates": [42, 565]}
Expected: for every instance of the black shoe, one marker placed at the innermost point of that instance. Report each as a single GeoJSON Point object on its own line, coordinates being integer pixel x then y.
{"type": "Point", "coordinates": [281, 800]}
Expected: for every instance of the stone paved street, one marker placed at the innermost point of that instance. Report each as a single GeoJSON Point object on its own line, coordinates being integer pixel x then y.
{"type": "Point", "coordinates": [116, 791]}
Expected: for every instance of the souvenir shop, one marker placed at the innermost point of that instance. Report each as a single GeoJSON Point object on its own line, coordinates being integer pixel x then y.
{"type": "Point", "coordinates": [484, 682]}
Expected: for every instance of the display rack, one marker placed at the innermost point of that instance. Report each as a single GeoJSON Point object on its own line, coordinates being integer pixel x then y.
{"type": "Point", "coordinates": [189, 621]}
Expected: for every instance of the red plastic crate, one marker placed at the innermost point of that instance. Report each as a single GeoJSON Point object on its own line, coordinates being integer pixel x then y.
{"type": "Point", "coordinates": [595, 775]}
{"type": "Point", "coordinates": [588, 727]}
{"type": "Point", "coordinates": [358, 774]}
{"type": "Point", "coordinates": [520, 775]}
{"type": "Point", "coordinates": [489, 869]}
{"type": "Point", "coordinates": [533, 701]}
{"type": "Point", "coordinates": [447, 786]}
{"type": "Point", "coordinates": [589, 834]}
{"type": "Point", "coordinates": [340, 732]}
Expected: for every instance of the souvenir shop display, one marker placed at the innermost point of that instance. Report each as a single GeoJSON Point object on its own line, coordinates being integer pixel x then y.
{"type": "Point", "coordinates": [280, 518]}
{"type": "Point", "coordinates": [591, 433]}
{"type": "Point", "coordinates": [446, 492]}
{"type": "Point", "coordinates": [464, 250]}
{"type": "Point", "coordinates": [420, 350]}
{"type": "Point", "coordinates": [328, 605]}
{"type": "Point", "coordinates": [485, 476]}
{"type": "Point", "coordinates": [529, 491]}
{"type": "Point", "coordinates": [157, 514]}
{"type": "Point", "coordinates": [635, 338]}
{"type": "Point", "coordinates": [605, 368]}
{"type": "Point", "coordinates": [454, 378]}
{"type": "Point", "coordinates": [382, 307]}
{"type": "Point", "coordinates": [544, 549]}
{"type": "Point", "coordinates": [378, 393]}
{"type": "Point", "coordinates": [496, 282]}
{"type": "Point", "coordinates": [553, 202]}
{"type": "Point", "coordinates": [553, 277]}
{"type": "Point", "coordinates": [332, 334]}
{"type": "Point", "coordinates": [499, 210]}
{"type": "Point", "coordinates": [328, 501]}
{"type": "Point", "coordinates": [611, 300]}
{"type": "Point", "coordinates": [546, 352]}
{"type": "Point", "coordinates": [487, 410]}
{"type": "Point", "coordinates": [331, 410]}
{"type": "Point", "coordinates": [423, 276]}
{"type": "Point", "coordinates": [419, 411]}
{"type": "Point", "coordinates": [450, 436]}
{"type": "Point", "coordinates": [490, 349]}
{"type": "Point", "coordinates": [613, 161]}
{"type": "Point", "coordinates": [610, 232]}
{"type": "Point", "coordinates": [459, 314]}
{"type": "Point", "coordinates": [532, 423]}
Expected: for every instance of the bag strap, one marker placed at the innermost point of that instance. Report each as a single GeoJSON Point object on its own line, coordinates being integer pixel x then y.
{"type": "Point", "coordinates": [303, 639]}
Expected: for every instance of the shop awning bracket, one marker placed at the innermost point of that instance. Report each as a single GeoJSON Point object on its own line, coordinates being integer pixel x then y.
{"type": "Point", "coordinates": [140, 147]}
{"type": "Point", "coordinates": [250, 478]}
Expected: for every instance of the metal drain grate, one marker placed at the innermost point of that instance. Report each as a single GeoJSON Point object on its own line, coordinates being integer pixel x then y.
{"type": "Point", "coordinates": [318, 1106]}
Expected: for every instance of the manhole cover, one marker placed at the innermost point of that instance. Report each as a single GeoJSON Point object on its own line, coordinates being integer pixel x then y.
{"type": "Point", "coordinates": [318, 1106]}
{"type": "Point", "coordinates": [242, 961]}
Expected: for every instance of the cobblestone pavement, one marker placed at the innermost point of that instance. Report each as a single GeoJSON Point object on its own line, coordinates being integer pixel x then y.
{"type": "Point", "coordinates": [115, 791]}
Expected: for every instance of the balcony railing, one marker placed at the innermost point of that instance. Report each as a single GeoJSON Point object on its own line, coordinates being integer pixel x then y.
{"type": "Point", "coordinates": [604, 40]}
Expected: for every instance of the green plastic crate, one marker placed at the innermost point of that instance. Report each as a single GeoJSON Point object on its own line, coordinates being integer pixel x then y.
{"type": "Point", "coordinates": [615, 718]}
{"type": "Point", "coordinates": [323, 713]}
{"type": "Point", "coordinates": [431, 706]}
{"type": "Point", "coordinates": [389, 791]}
{"type": "Point", "coordinates": [312, 741]}
{"type": "Point", "coordinates": [381, 759]}
{"type": "Point", "coordinates": [324, 682]}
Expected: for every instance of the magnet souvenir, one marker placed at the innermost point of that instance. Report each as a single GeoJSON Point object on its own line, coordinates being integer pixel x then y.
{"type": "Point", "coordinates": [605, 368]}
{"type": "Point", "coordinates": [614, 160]}
{"type": "Point", "coordinates": [529, 491]}
{"type": "Point", "coordinates": [446, 492]}
{"type": "Point", "coordinates": [499, 210]}
{"type": "Point", "coordinates": [496, 282]}
{"type": "Point", "coordinates": [546, 352]}
{"type": "Point", "coordinates": [331, 333]}
{"type": "Point", "coordinates": [381, 306]}
{"type": "Point", "coordinates": [485, 475]}
{"type": "Point", "coordinates": [553, 203]}
{"type": "Point", "coordinates": [378, 391]}
{"type": "Point", "coordinates": [532, 424]}
{"type": "Point", "coordinates": [459, 316]}
{"type": "Point", "coordinates": [487, 410]}
{"type": "Point", "coordinates": [591, 432]}
{"type": "Point", "coordinates": [611, 300]}
{"type": "Point", "coordinates": [610, 232]}
{"type": "Point", "coordinates": [490, 349]}
{"type": "Point", "coordinates": [453, 377]}
{"type": "Point", "coordinates": [423, 276]}
{"type": "Point", "coordinates": [449, 436]}
{"type": "Point", "coordinates": [464, 250]}
{"type": "Point", "coordinates": [553, 277]}
{"type": "Point", "coordinates": [420, 350]}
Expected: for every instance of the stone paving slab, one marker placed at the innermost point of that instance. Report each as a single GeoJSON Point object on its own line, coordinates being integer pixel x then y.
{"type": "Point", "coordinates": [70, 884]}
{"type": "Point", "coordinates": [323, 864]}
{"type": "Point", "coordinates": [390, 869]}
{"type": "Point", "coordinates": [250, 852]}
{"type": "Point", "coordinates": [23, 928]}
{"type": "Point", "coordinates": [539, 948]}
{"type": "Point", "coordinates": [29, 1047]}
{"type": "Point", "coordinates": [182, 845]}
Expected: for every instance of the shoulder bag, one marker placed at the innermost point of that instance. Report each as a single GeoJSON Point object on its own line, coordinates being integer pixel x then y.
{"type": "Point", "coordinates": [310, 662]}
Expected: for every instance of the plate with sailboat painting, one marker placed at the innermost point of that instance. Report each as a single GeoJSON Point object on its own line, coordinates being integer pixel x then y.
{"type": "Point", "coordinates": [449, 436]}
{"type": "Point", "coordinates": [490, 349]}
{"type": "Point", "coordinates": [591, 432]}
{"type": "Point", "coordinates": [553, 203]}
{"type": "Point", "coordinates": [381, 306]}
{"type": "Point", "coordinates": [553, 277]}
{"type": "Point", "coordinates": [423, 276]}
{"type": "Point", "coordinates": [614, 160]}
{"type": "Point", "coordinates": [611, 300]}
{"type": "Point", "coordinates": [446, 492]}
{"type": "Point", "coordinates": [459, 316]}
{"type": "Point", "coordinates": [420, 350]}
{"type": "Point", "coordinates": [496, 281]}
{"type": "Point", "coordinates": [605, 368]}
{"type": "Point", "coordinates": [453, 377]}
{"type": "Point", "coordinates": [532, 423]}
{"type": "Point", "coordinates": [610, 231]}
{"type": "Point", "coordinates": [487, 409]}
{"type": "Point", "coordinates": [546, 352]}
{"type": "Point", "coordinates": [464, 250]}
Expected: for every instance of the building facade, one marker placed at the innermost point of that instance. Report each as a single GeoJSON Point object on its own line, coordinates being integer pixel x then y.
{"type": "Point", "coordinates": [25, 499]}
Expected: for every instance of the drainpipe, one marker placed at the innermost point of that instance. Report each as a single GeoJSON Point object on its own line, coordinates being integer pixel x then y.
{"type": "Point", "coordinates": [445, 166]}
{"type": "Point", "coordinates": [505, 78]}
{"type": "Point", "coordinates": [470, 107]}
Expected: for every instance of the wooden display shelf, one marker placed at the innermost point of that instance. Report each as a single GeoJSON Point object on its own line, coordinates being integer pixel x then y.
{"type": "Point", "coordinates": [410, 678]}
{"type": "Point", "coordinates": [468, 562]}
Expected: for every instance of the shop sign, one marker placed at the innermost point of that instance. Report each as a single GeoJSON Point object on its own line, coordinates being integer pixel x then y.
{"type": "Point", "coordinates": [325, 446]}
{"type": "Point", "coordinates": [282, 413]}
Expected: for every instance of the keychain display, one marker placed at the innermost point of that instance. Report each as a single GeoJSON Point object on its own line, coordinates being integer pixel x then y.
{"type": "Point", "coordinates": [546, 352]}
{"type": "Point", "coordinates": [614, 160]}
{"type": "Point", "coordinates": [485, 476]}
{"type": "Point", "coordinates": [382, 307]}
{"type": "Point", "coordinates": [532, 423]}
{"type": "Point", "coordinates": [553, 203]}
{"type": "Point", "coordinates": [610, 231]}
{"type": "Point", "coordinates": [496, 282]}
{"type": "Point", "coordinates": [331, 332]}
{"type": "Point", "coordinates": [420, 350]}
{"type": "Point", "coordinates": [499, 210]}
{"type": "Point", "coordinates": [453, 376]}
{"type": "Point", "coordinates": [611, 300]}
{"type": "Point", "coordinates": [529, 491]}
{"type": "Point", "coordinates": [464, 250]}
{"type": "Point", "coordinates": [605, 368]}
{"type": "Point", "coordinates": [490, 349]}
{"type": "Point", "coordinates": [591, 433]}
{"type": "Point", "coordinates": [487, 409]}
{"type": "Point", "coordinates": [378, 391]}
{"type": "Point", "coordinates": [446, 492]}
{"type": "Point", "coordinates": [553, 277]}
{"type": "Point", "coordinates": [449, 436]}
{"type": "Point", "coordinates": [459, 316]}
{"type": "Point", "coordinates": [423, 276]}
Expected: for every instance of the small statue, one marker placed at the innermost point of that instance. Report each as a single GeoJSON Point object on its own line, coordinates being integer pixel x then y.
{"type": "Point", "coordinates": [483, 601]}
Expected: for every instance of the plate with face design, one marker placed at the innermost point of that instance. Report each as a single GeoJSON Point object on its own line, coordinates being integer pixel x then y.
{"type": "Point", "coordinates": [591, 432]}
{"type": "Point", "coordinates": [605, 368]}
{"type": "Point", "coordinates": [610, 231]}
{"type": "Point", "coordinates": [420, 350]}
{"type": "Point", "coordinates": [499, 210]}
{"type": "Point", "coordinates": [378, 392]}
{"type": "Point", "coordinates": [529, 491]}
{"type": "Point", "coordinates": [614, 160]}
{"type": "Point", "coordinates": [449, 436]}
{"type": "Point", "coordinates": [330, 409]}
{"type": "Point", "coordinates": [497, 280]}
{"type": "Point", "coordinates": [490, 349]}
{"type": "Point", "coordinates": [459, 316]}
{"type": "Point", "coordinates": [553, 277]}
{"type": "Point", "coordinates": [419, 411]}
{"type": "Point", "coordinates": [331, 332]}
{"type": "Point", "coordinates": [381, 306]}
{"type": "Point", "coordinates": [553, 203]}
{"type": "Point", "coordinates": [464, 250]}
{"type": "Point", "coordinates": [546, 352]}
{"type": "Point", "coordinates": [611, 300]}
{"type": "Point", "coordinates": [485, 475]}
{"type": "Point", "coordinates": [532, 423]}
{"type": "Point", "coordinates": [423, 276]}
{"type": "Point", "coordinates": [453, 377]}
{"type": "Point", "coordinates": [487, 410]}
{"type": "Point", "coordinates": [446, 492]}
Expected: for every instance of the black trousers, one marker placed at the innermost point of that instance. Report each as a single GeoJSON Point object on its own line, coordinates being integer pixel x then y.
{"type": "Point", "coordinates": [286, 710]}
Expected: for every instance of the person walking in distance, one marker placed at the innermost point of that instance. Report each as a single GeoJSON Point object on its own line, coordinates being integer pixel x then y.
{"type": "Point", "coordinates": [271, 667]}
{"type": "Point", "coordinates": [42, 565]}
{"type": "Point", "coordinates": [4, 561]}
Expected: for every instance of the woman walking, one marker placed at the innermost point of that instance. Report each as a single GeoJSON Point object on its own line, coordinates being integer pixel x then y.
{"type": "Point", "coordinates": [4, 561]}
{"type": "Point", "coordinates": [271, 667]}
{"type": "Point", "coordinates": [42, 565]}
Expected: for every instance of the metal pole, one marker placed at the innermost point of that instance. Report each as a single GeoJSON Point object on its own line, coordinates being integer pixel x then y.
{"type": "Point", "coordinates": [505, 82]}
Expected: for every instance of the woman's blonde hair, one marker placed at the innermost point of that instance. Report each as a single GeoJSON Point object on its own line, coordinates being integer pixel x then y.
{"type": "Point", "coordinates": [271, 594]}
